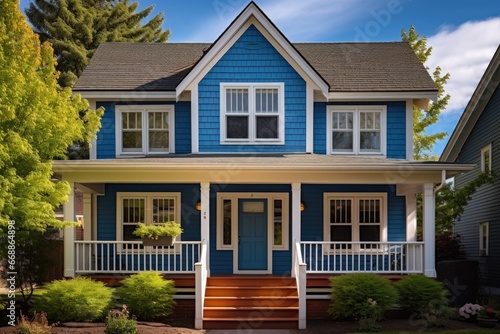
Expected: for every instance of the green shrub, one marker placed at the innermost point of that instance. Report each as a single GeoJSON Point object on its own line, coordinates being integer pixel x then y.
{"type": "Point", "coordinates": [39, 325]}
{"type": "Point", "coordinates": [361, 296]}
{"type": "Point", "coordinates": [148, 295]}
{"type": "Point", "coordinates": [118, 322]}
{"type": "Point", "coordinates": [78, 299]}
{"type": "Point", "coordinates": [424, 297]}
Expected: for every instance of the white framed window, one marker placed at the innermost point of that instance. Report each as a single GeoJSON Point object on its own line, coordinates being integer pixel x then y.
{"type": "Point", "coordinates": [355, 217]}
{"type": "Point", "coordinates": [357, 130]}
{"type": "Point", "coordinates": [227, 219]}
{"type": "Point", "coordinates": [484, 238]}
{"type": "Point", "coordinates": [142, 129]}
{"type": "Point", "coordinates": [486, 158]}
{"type": "Point", "coordinates": [149, 208]}
{"type": "Point", "coordinates": [252, 113]}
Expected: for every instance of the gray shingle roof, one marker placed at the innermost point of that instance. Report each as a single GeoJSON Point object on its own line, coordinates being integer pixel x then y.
{"type": "Point", "coordinates": [346, 67]}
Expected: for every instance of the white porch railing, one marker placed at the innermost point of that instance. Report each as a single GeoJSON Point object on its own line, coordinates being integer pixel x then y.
{"type": "Point", "coordinates": [201, 274]}
{"type": "Point", "coordinates": [299, 271]}
{"type": "Point", "coordinates": [124, 257]}
{"type": "Point", "coordinates": [374, 257]}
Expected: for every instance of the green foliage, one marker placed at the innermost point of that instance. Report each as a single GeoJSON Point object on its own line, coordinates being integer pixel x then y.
{"type": "Point", "coordinates": [423, 142]}
{"type": "Point", "coordinates": [448, 246]}
{"type": "Point", "coordinates": [148, 295]}
{"type": "Point", "coordinates": [368, 325]}
{"type": "Point", "coordinates": [170, 229]}
{"type": "Point", "coordinates": [79, 299]}
{"type": "Point", "coordinates": [424, 296]}
{"type": "Point", "coordinates": [38, 122]}
{"type": "Point", "coordinates": [361, 296]}
{"type": "Point", "coordinates": [76, 27]}
{"type": "Point", "coordinates": [39, 325]}
{"type": "Point", "coordinates": [118, 322]}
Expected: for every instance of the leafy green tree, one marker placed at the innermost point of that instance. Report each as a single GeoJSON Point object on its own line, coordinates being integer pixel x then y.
{"type": "Point", "coordinates": [423, 142]}
{"type": "Point", "coordinates": [38, 121]}
{"type": "Point", "coordinates": [76, 27]}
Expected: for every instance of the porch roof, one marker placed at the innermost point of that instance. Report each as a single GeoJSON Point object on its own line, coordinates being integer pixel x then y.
{"type": "Point", "coordinates": [264, 168]}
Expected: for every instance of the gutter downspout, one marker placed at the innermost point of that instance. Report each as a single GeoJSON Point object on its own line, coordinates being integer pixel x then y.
{"type": "Point", "coordinates": [443, 181]}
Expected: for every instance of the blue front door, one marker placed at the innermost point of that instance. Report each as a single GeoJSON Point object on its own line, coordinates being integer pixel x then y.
{"type": "Point", "coordinates": [252, 232]}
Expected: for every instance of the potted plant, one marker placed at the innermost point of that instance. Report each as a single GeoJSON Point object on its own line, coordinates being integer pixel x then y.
{"type": "Point", "coordinates": [486, 317]}
{"type": "Point", "coordinates": [158, 234]}
{"type": "Point", "coordinates": [469, 312]}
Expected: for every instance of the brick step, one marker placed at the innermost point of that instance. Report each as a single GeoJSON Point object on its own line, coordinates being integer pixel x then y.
{"type": "Point", "coordinates": [290, 301]}
{"type": "Point", "coordinates": [250, 281]}
{"type": "Point", "coordinates": [250, 291]}
{"type": "Point", "coordinates": [250, 323]}
{"type": "Point", "coordinates": [250, 312]}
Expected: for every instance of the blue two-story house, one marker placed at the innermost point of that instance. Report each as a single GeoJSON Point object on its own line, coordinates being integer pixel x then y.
{"type": "Point", "coordinates": [284, 163]}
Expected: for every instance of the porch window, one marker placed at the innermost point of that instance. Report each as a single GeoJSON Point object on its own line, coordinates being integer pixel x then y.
{"type": "Point", "coordinates": [147, 208]}
{"type": "Point", "coordinates": [484, 238]}
{"type": "Point", "coordinates": [144, 130]}
{"type": "Point", "coordinates": [486, 158]}
{"type": "Point", "coordinates": [356, 130]}
{"type": "Point", "coordinates": [355, 218]}
{"type": "Point", "coordinates": [252, 113]}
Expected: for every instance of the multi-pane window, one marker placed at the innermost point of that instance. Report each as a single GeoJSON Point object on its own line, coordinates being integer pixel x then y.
{"type": "Point", "coordinates": [353, 217]}
{"type": "Point", "coordinates": [486, 158]}
{"type": "Point", "coordinates": [144, 129]}
{"type": "Point", "coordinates": [356, 130]}
{"type": "Point", "coordinates": [252, 113]}
{"type": "Point", "coordinates": [278, 222]}
{"type": "Point", "coordinates": [147, 208]}
{"type": "Point", "coordinates": [484, 238]}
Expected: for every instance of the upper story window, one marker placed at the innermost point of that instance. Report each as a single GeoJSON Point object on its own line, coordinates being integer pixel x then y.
{"type": "Point", "coordinates": [356, 130]}
{"type": "Point", "coordinates": [252, 113]}
{"type": "Point", "coordinates": [144, 130]}
{"type": "Point", "coordinates": [486, 158]}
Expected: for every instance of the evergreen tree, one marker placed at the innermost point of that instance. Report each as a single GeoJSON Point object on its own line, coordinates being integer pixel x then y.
{"type": "Point", "coordinates": [423, 142]}
{"type": "Point", "coordinates": [76, 27]}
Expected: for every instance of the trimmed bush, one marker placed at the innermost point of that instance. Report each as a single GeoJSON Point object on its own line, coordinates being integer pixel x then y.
{"type": "Point", "coordinates": [361, 296]}
{"type": "Point", "coordinates": [78, 299]}
{"type": "Point", "coordinates": [147, 295]}
{"type": "Point", "coordinates": [419, 293]}
{"type": "Point", "coordinates": [118, 322]}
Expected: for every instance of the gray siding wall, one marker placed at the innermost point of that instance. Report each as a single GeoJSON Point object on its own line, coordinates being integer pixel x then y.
{"type": "Point", "coordinates": [485, 204]}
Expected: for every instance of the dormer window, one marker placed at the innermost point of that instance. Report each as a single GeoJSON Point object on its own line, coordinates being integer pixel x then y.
{"type": "Point", "coordinates": [252, 113]}
{"type": "Point", "coordinates": [356, 130]}
{"type": "Point", "coordinates": [144, 130]}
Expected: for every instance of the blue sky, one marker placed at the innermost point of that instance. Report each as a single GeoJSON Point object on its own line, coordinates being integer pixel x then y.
{"type": "Point", "coordinates": [464, 34]}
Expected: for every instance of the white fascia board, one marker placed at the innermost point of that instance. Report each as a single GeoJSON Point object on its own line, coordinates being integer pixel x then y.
{"type": "Point", "coordinates": [251, 15]}
{"type": "Point", "coordinates": [385, 96]}
{"type": "Point", "coordinates": [127, 95]}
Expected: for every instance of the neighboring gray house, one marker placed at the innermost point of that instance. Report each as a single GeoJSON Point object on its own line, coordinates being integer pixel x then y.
{"type": "Point", "coordinates": [476, 139]}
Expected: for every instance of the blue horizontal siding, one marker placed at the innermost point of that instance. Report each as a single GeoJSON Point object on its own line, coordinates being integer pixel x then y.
{"type": "Point", "coordinates": [106, 137]}
{"type": "Point", "coordinates": [396, 126]}
{"type": "Point", "coordinates": [252, 59]}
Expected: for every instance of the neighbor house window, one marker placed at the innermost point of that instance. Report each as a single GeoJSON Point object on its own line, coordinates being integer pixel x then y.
{"type": "Point", "coordinates": [484, 238]}
{"type": "Point", "coordinates": [147, 208]}
{"type": "Point", "coordinates": [486, 158]}
{"type": "Point", "coordinates": [144, 130]}
{"type": "Point", "coordinates": [355, 218]}
{"type": "Point", "coordinates": [252, 113]}
{"type": "Point", "coordinates": [356, 129]}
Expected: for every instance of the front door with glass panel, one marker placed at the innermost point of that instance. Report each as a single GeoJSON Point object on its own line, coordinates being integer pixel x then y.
{"type": "Point", "coordinates": [252, 234]}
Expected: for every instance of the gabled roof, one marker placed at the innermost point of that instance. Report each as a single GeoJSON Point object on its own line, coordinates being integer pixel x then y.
{"type": "Point", "coordinates": [478, 102]}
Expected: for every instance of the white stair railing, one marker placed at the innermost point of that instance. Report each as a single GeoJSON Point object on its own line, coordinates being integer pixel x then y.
{"type": "Point", "coordinates": [299, 271]}
{"type": "Point", "coordinates": [201, 274]}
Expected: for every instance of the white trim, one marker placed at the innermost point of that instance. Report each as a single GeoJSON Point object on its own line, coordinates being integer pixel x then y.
{"type": "Point", "coordinates": [409, 130]}
{"type": "Point", "coordinates": [252, 15]}
{"type": "Point", "coordinates": [127, 95]}
{"type": "Point", "coordinates": [381, 96]}
{"type": "Point", "coordinates": [356, 131]}
{"type": "Point", "coordinates": [93, 141]}
{"type": "Point", "coordinates": [148, 197]}
{"type": "Point", "coordinates": [252, 115]}
{"type": "Point", "coordinates": [296, 217]}
{"type": "Point", "coordinates": [87, 216]}
{"type": "Point", "coordinates": [355, 197]}
{"type": "Point", "coordinates": [144, 109]}
{"type": "Point", "coordinates": [484, 249]}
{"type": "Point", "coordinates": [309, 118]}
{"type": "Point", "coordinates": [429, 230]}
{"type": "Point", "coordinates": [485, 149]}
{"type": "Point", "coordinates": [411, 217]}
{"type": "Point", "coordinates": [69, 233]}
{"type": "Point", "coordinates": [195, 146]}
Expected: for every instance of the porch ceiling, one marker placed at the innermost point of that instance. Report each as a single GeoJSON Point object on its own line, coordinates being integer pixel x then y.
{"type": "Point", "coordinates": [304, 168]}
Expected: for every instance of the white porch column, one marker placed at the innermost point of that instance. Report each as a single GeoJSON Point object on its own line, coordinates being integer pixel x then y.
{"type": "Point", "coordinates": [205, 217]}
{"type": "Point", "coordinates": [411, 217]}
{"type": "Point", "coordinates": [87, 216]}
{"type": "Point", "coordinates": [296, 217]}
{"type": "Point", "coordinates": [429, 230]}
{"type": "Point", "coordinates": [69, 234]}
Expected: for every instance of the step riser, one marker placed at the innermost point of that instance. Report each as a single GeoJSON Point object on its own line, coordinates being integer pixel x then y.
{"type": "Point", "coordinates": [222, 302]}
{"type": "Point", "coordinates": [221, 281]}
{"type": "Point", "coordinates": [249, 314]}
{"type": "Point", "coordinates": [257, 324]}
{"type": "Point", "coordinates": [250, 292]}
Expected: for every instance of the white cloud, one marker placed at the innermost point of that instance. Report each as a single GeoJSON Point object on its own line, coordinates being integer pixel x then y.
{"type": "Point", "coordinates": [464, 52]}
